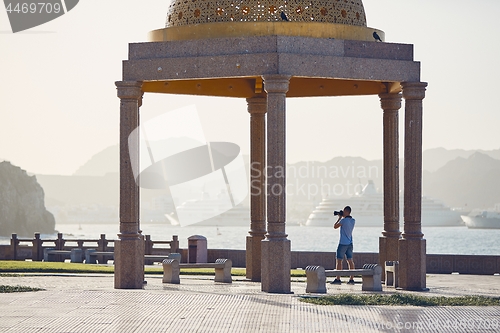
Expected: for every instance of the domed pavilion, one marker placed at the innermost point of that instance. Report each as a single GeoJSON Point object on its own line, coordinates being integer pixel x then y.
{"type": "Point", "coordinates": [268, 51]}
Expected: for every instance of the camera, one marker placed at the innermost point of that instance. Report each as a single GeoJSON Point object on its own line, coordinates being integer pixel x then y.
{"type": "Point", "coordinates": [340, 212]}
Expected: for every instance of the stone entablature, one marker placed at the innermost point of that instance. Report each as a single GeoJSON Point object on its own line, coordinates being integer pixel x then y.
{"type": "Point", "coordinates": [233, 67]}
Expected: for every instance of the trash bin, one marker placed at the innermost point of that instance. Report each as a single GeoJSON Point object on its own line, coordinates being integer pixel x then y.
{"type": "Point", "coordinates": [197, 249]}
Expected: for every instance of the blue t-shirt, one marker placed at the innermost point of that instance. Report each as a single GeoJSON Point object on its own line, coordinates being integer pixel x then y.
{"type": "Point", "coordinates": [346, 228]}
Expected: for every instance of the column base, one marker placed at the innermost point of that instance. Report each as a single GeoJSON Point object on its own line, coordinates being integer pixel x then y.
{"type": "Point", "coordinates": [253, 258]}
{"type": "Point", "coordinates": [412, 264]}
{"type": "Point", "coordinates": [276, 264]}
{"type": "Point", "coordinates": [129, 263]}
{"type": "Point", "coordinates": [388, 248]}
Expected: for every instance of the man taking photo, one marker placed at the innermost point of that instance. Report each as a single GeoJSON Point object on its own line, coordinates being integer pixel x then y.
{"type": "Point", "coordinates": [346, 224]}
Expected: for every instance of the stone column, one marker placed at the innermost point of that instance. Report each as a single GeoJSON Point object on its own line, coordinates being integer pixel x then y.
{"type": "Point", "coordinates": [257, 108]}
{"type": "Point", "coordinates": [276, 253]}
{"type": "Point", "coordinates": [388, 243]}
{"type": "Point", "coordinates": [412, 250]}
{"type": "Point", "coordinates": [129, 248]}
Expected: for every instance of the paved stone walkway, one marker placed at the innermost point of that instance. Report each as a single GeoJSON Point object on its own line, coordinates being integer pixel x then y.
{"type": "Point", "coordinates": [88, 303]}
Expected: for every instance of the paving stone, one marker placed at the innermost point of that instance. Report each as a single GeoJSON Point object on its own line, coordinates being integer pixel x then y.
{"type": "Point", "coordinates": [89, 303]}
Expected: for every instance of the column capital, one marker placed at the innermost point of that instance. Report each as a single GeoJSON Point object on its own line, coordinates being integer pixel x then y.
{"type": "Point", "coordinates": [414, 90]}
{"type": "Point", "coordinates": [129, 89]}
{"type": "Point", "coordinates": [390, 102]}
{"type": "Point", "coordinates": [257, 105]}
{"type": "Point", "coordinates": [276, 83]}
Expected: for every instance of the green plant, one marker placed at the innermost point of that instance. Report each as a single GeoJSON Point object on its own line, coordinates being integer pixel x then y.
{"type": "Point", "coordinates": [402, 299]}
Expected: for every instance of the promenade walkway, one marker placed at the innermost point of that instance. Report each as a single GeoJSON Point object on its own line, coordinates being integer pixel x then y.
{"type": "Point", "coordinates": [88, 303]}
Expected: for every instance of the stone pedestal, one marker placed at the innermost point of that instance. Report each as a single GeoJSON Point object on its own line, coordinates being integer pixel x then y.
{"type": "Point", "coordinates": [388, 250]}
{"type": "Point", "coordinates": [253, 257]}
{"type": "Point", "coordinates": [276, 263]}
{"type": "Point", "coordinates": [276, 249]}
{"type": "Point", "coordinates": [129, 248]}
{"type": "Point", "coordinates": [129, 261]}
{"type": "Point", "coordinates": [412, 264]}
{"type": "Point", "coordinates": [412, 252]}
{"type": "Point", "coordinates": [257, 108]}
{"type": "Point", "coordinates": [388, 243]}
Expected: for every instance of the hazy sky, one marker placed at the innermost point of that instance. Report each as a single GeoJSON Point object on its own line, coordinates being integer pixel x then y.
{"type": "Point", "coordinates": [59, 105]}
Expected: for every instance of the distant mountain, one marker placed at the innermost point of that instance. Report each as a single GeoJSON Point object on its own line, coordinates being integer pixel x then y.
{"type": "Point", "coordinates": [108, 160]}
{"type": "Point", "coordinates": [473, 182]}
{"type": "Point", "coordinates": [435, 158]}
{"type": "Point", "coordinates": [60, 190]}
{"type": "Point", "coordinates": [105, 161]}
{"type": "Point", "coordinates": [341, 176]}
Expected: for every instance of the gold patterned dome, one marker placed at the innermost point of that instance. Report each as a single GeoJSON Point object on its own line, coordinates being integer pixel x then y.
{"type": "Point", "coordinates": [199, 19]}
{"type": "Point", "coordinates": [209, 11]}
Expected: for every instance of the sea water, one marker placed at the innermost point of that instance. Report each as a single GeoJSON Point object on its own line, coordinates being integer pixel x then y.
{"type": "Point", "coordinates": [440, 240]}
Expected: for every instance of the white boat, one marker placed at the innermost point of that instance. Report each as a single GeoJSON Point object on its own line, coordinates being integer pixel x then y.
{"type": "Point", "coordinates": [483, 219]}
{"type": "Point", "coordinates": [368, 210]}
